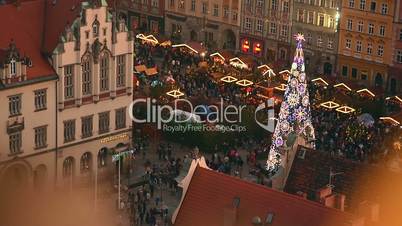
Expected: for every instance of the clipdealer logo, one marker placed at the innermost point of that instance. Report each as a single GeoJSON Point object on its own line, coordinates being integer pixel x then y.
{"type": "Point", "coordinates": [204, 115]}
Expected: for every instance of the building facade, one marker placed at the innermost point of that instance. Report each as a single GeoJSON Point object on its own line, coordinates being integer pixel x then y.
{"type": "Point", "coordinates": [143, 16]}
{"type": "Point", "coordinates": [394, 85]}
{"type": "Point", "coordinates": [215, 23]}
{"type": "Point", "coordinates": [265, 29]}
{"type": "Point", "coordinates": [318, 21]}
{"type": "Point", "coordinates": [365, 41]}
{"type": "Point", "coordinates": [68, 97]}
{"type": "Point", "coordinates": [94, 62]}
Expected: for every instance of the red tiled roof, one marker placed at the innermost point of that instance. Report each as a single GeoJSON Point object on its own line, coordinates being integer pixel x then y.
{"type": "Point", "coordinates": [210, 192]}
{"type": "Point", "coordinates": [358, 181]}
{"type": "Point", "coordinates": [28, 24]}
{"type": "Point", "coordinates": [24, 24]}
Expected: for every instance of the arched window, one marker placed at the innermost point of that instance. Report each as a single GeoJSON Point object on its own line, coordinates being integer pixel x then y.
{"type": "Point", "coordinates": [85, 163]}
{"type": "Point", "coordinates": [95, 27]}
{"type": "Point", "coordinates": [86, 76]}
{"type": "Point", "coordinates": [102, 157]}
{"type": "Point", "coordinates": [68, 167]}
{"type": "Point", "coordinates": [104, 72]}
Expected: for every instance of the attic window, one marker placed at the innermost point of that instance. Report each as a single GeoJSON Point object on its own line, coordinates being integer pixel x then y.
{"type": "Point", "coordinates": [270, 218]}
{"type": "Point", "coordinates": [13, 67]}
{"type": "Point", "coordinates": [104, 31]}
{"type": "Point", "coordinates": [95, 27]}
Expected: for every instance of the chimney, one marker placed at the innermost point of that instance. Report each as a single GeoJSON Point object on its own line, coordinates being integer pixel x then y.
{"type": "Point", "coordinates": [230, 213]}
{"type": "Point", "coordinates": [369, 210]}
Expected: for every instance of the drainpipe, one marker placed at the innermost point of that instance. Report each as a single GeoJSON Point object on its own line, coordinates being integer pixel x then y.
{"type": "Point", "coordinates": [56, 132]}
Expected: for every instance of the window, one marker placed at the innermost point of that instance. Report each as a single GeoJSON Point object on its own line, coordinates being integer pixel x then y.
{"type": "Point", "coordinates": [40, 99]}
{"type": "Point", "coordinates": [102, 157]}
{"type": "Point", "coordinates": [259, 25]}
{"type": "Point", "coordinates": [234, 16]}
{"type": "Point", "coordinates": [330, 43]}
{"type": "Point", "coordinates": [274, 4]}
{"type": "Point", "coordinates": [69, 130]}
{"type": "Point", "coordinates": [360, 25]}
{"type": "Point", "coordinates": [155, 3]}
{"type": "Point", "coordinates": [345, 71]}
{"type": "Point", "coordinates": [95, 28]}
{"type": "Point", "coordinates": [40, 137]}
{"type": "Point", "coordinates": [286, 7]}
{"type": "Point", "coordinates": [104, 72]}
{"type": "Point", "coordinates": [68, 81]}
{"type": "Point", "coordinates": [400, 34]}
{"type": "Point", "coordinates": [362, 4]}
{"type": "Point", "coordinates": [350, 25]}
{"type": "Point", "coordinates": [226, 12]}
{"type": "Point", "coordinates": [104, 122]}
{"type": "Point", "coordinates": [121, 71]}
{"type": "Point", "coordinates": [309, 38]}
{"type": "Point", "coordinates": [319, 41]}
{"type": "Point", "coordinates": [15, 143]}
{"type": "Point", "coordinates": [181, 4]}
{"type": "Point", "coordinates": [192, 5]}
{"type": "Point", "coordinates": [382, 30]}
{"type": "Point", "coordinates": [14, 105]}
{"type": "Point", "coordinates": [85, 162]}
{"type": "Point", "coordinates": [369, 48]}
{"type": "Point", "coordinates": [205, 8]}
{"type": "Point", "coordinates": [331, 22]}
{"type": "Point", "coordinates": [272, 28]}
{"type": "Point", "coordinates": [13, 67]}
{"type": "Point", "coordinates": [310, 17]}
{"type": "Point", "coordinates": [373, 6]}
{"type": "Point", "coordinates": [284, 30]}
{"type": "Point", "coordinates": [259, 3]}
{"type": "Point", "coordinates": [321, 20]}
{"type": "Point", "coordinates": [399, 56]}
{"type": "Point", "coordinates": [384, 8]}
{"type": "Point", "coordinates": [359, 46]}
{"type": "Point", "coordinates": [86, 76]}
{"type": "Point", "coordinates": [380, 51]}
{"type": "Point", "coordinates": [247, 24]}
{"type": "Point", "coordinates": [371, 29]}
{"type": "Point", "coordinates": [351, 3]}
{"type": "Point", "coordinates": [216, 10]}
{"type": "Point", "coordinates": [120, 118]}
{"type": "Point", "coordinates": [363, 75]}
{"type": "Point", "coordinates": [348, 43]}
{"type": "Point", "coordinates": [86, 126]}
{"type": "Point", "coordinates": [300, 15]}
{"type": "Point", "coordinates": [122, 27]}
{"type": "Point", "coordinates": [333, 4]}
{"type": "Point", "coordinates": [354, 73]}
{"type": "Point", "coordinates": [171, 3]}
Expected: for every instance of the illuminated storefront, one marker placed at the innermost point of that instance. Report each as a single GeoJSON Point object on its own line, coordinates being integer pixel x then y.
{"type": "Point", "coordinates": [252, 46]}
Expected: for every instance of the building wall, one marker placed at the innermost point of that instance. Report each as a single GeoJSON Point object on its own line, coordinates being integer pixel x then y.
{"type": "Point", "coordinates": [218, 28]}
{"type": "Point", "coordinates": [351, 57]}
{"type": "Point", "coordinates": [317, 20]}
{"type": "Point", "coordinates": [30, 157]}
{"type": "Point", "coordinates": [395, 77]}
{"type": "Point", "coordinates": [266, 25]}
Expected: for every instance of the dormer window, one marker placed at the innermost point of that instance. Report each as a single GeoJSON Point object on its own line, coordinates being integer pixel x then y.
{"type": "Point", "coordinates": [13, 67]}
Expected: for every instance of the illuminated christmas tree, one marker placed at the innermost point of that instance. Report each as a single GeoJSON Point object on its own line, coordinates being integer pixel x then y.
{"type": "Point", "coordinates": [294, 116]}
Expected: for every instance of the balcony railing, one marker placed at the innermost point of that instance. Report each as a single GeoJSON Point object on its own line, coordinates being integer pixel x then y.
{"type": "Point", "coordinates": [15, 124]}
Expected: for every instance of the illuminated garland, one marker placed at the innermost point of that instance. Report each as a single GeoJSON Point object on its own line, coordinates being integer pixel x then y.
{"type": "Point", "coordinates": [294, 115]}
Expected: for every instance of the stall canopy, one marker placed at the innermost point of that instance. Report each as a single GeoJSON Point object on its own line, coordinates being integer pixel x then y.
{"type": "Point", "coordinates": [228, 79]}
{"type": "Point", "coordinates": [194, 47]}
{"type": "Point", "coordinates": [244, 82]}
{"type": "Point", "coordinates": [148, 38]}
{"type": "Point", "coordinates": [140, 68]}
{"type": "Point", "coordinates": [265, 69]}
{"type": "Point", "coordinates": [345, 110]}
{"type": "Point", "coordinates": [330, 105]}
{"type": "Point", "coordinates": [342, 86]}
{"type": "Point", "coordinates": [151, 71]}
{"type": "Point", "coordinates": [320, 81]}
{"type": "Point", "coordinates": [238, 63]}
{"type": "Point", "coordinates": [175, 93]}
{"type": "Point", "coordinates": [395, 99]}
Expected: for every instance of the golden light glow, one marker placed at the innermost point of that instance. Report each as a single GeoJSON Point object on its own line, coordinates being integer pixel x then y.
{"type": "Point", "coordinates": [228, 79]}
{"type": "Point", "coordinates": [266, 69]}
{"type": "Point", "coordinates": [244, 82]}
{"type": "Point", "coordinates": [367, 91]}
{"type": "Point", "coordinates": [140, 68]}
{"type": "Point", "coordinates": [217, 54]}
{"type": "Point", "coordinates": [185, 45]}
{"type": "Point", "coordinates": [395, 97]}
{"type": "Point", "coordinates": [236, 62]}
{"type": "Point", "coordinates": [390, 119]}
{"type": "Point", "coordinates": [330, 105]}
{"type": "Point", "coordinates": [281, 87]}
{"type": "Point", "coordinates": [343, 85]}
{"type": "Point", "coordinates": [175, 93]}
{"type": "Point", "coordinates": [345, 110]}
{"type": "Point", "coordinates": [148, 38]}
{"type": "Point", "coordinates": [284, 71]}
{"type": "Point", "coordinates": [320, 80]}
